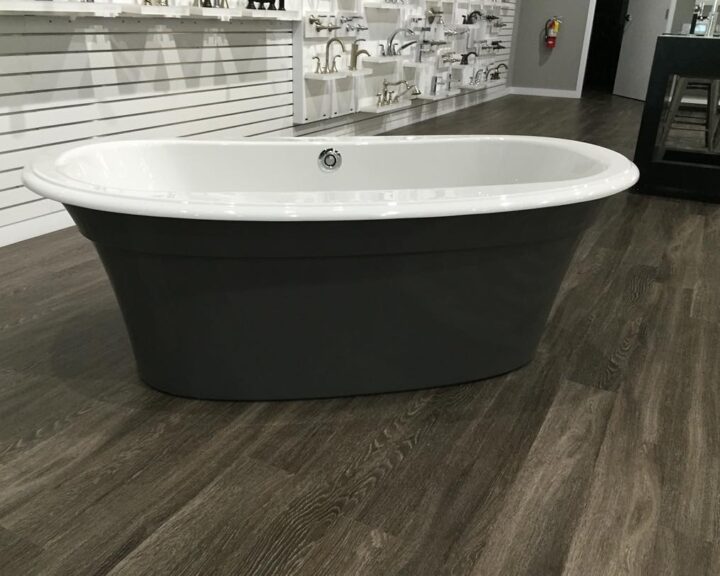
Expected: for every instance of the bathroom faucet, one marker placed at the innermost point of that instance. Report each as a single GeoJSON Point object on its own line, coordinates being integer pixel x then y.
{"type": "Point", "coordinates": [390, 50]}
{"type": "Point", "coordinates": [355, 52]}
{"type": "Point", "coordinates": [409, 87]}
{"type": "Point", "coordinates": [406, 45]}
{"type": "Point", "coordinates": [476, 77]}
{"type": "Point", "coordinates": [473, 17]}
{"type": "Point", "coordinates": [329, 27]}
{"type": "Point", "coordinates": [464, 57]}
{"type": "Point", "coordinates": [432, 14]}
{"type": "Point", "coordinates": [494, 73]}
{"type": "Point", "coordinates": [387, 96]}
{"type": "Point", "coordinates": [328, 68]}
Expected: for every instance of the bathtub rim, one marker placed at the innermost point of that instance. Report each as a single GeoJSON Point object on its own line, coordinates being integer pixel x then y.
{"type": "Point", "coordinates": [42, 177]}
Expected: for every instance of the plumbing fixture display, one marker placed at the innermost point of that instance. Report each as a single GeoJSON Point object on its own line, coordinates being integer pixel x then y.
{"type": "Point", "coordinates": [355, 53]}
{"type": "Point", "coordinates": [388, 97]}
{"type": "Point", "coordinates": [494, 73]}
{"type": "Point", "coordinates": [437, 47]}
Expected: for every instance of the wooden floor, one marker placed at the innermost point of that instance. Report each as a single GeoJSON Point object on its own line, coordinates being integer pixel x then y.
{"type": "Point", "coordinates": [602, 457]}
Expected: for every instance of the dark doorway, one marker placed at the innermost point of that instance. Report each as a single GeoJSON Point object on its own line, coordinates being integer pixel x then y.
{"type": "Point", "coordinates": [605, 44]}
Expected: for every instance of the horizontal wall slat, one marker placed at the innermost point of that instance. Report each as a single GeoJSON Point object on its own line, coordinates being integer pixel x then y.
{"type": "Point", "coordinates": [104, 127]}
{"type": "Point", "coordinates": [123, 26]}
{"type": "Point", "coordinates": [15, 196]}
{"type": "Point", "coordinates": [33, 120]}
{"type": "Point", "coordinates": [269, 127]}
{"type": "Point", "coordinates": [87, 95]}
{"type": "Point", "coordinates": [34, 227]}
{"type": "Point", "coordinates": [19, 158]}
{"type": "Point", "coordinates": [60, 80]}
{"type": "Point", "coordinates": [44, 63]}
{"type": "Point", "coordinates": [9, 179]}
{"type": "Point", "coordinates": [22, 212]}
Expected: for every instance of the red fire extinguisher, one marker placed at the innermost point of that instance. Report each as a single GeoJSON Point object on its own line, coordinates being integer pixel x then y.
{"type": "Point", "coordinates": [552, 27]}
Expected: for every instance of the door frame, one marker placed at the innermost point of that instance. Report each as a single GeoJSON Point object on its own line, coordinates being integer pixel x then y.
{"type": "Point", "coordinates": [586, 48]}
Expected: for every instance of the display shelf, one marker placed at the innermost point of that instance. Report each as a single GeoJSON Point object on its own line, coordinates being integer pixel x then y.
{"type": "Point", "coordinates": [224, 14]}
{"type": "Point", "coordinates": [449, 94]}
{"type": "Point", "coordinates": [282, 15]}
{"type": "Point", "coordinates": [60, 8]}
{"type": "Point", "coordinates": [105, 9]}
{"type": "Point", "coordinates": [413, 64]}
{"type": "Point", "coordinates": [325, 77]}
{"type": "Point", "coordinates": [384, 5]}
{"type": "Point", "coordinates": [383, 59]}
{"type": "Point", "coordinates": [156, 11]}
{"type": "Point", "coordinates": [389, 108]}
{"type": "Point", "coordinates": [473, 87]}
{"type": "Point", "coordinates": [361, 72]}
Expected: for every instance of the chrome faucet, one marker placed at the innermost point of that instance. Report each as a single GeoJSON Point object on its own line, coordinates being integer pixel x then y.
{"type": "Point", "coordinates": [355, 52]}
{"type": "Point", "coordinates": [329, 27]}
{"type": "Point", "coordinates": [390, 50]}
{"type": "Point", "coordinates": [387, 96]}
{"type": "Point", "coordinates": [477, 76]}
{"type": "Point", "coordinates": [432, 14]}
{"type": "Point", "coordinates": [409, 87]}
{"type": "Point", "coordinates": [328, 68]}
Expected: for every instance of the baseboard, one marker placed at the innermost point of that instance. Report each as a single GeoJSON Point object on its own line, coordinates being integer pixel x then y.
{"type": "Point", "coordinates": [32, 227]}
{"type": "Point", "coordinates": [546, 92]}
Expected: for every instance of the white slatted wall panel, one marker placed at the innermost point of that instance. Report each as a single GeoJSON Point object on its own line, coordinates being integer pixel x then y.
{"type": "Point", "coordinates": [63, 82]}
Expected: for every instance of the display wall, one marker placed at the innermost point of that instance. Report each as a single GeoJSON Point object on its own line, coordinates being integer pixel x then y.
{"type": "Point", "coordinates": [355, 52]}
{"type": "Point", "coordinates": [72, 71]}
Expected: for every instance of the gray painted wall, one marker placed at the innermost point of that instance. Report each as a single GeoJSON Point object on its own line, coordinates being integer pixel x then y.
{"type": "Point", "coordinates": [683, 14]}
{"type": "Point", "coordinates": [534, 66]}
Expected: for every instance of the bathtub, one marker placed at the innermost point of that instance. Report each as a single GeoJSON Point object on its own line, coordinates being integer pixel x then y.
{"type": "Point", "coordinates": [305, 268]}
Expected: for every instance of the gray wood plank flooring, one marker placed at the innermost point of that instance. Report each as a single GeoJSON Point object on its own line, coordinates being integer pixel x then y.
{"type": "Point", "coordinates": [601, 457]}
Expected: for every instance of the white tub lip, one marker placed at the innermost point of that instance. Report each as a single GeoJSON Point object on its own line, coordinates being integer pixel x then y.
{"type": "Point", "coordinates": [42, 177]}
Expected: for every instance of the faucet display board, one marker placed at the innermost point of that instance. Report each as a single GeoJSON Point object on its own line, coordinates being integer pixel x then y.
{"type": "Point", "coordinates": [376, 56]}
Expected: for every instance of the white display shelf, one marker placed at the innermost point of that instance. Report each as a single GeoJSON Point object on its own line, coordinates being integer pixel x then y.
{"type": "Point", "coordinates": [383, 5]}
{"type": "Point", "coordinates": [225, 14]}
{"type": "Point", "coordinates": [413, 64]}
{"type": "Point", "coordinates": [382, 59]}
{"type": "Point", "coordinates": [361, 72]}
{"type": "Point", "coordinates": [60, 8]}
{"type": "Point", "coordinates": [104, 9]}
{"type": "Point", "coordinates": [156, 11]}
{"type": "Point", "coordinates": [325, 77]}
{"type": "Point", "coordinates": [473, 87]}
{"type": "Point", "coordinates": [449, 94]}
{"type": "Point", "coordinates": [389, 108]}
{"type": "Point", "coordinates": [284, 15]}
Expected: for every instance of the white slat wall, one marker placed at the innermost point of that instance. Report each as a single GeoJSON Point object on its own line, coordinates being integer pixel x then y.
{"type": "Point", "coordinates": [65, 81]}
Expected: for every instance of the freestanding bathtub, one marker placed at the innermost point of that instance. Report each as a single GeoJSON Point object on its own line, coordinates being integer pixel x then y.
{"type": "Point", "coordinates": [299, 268]}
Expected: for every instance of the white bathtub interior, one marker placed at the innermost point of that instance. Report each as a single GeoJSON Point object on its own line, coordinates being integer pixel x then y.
{"type": "Point", "coordinates": [283, 165]}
